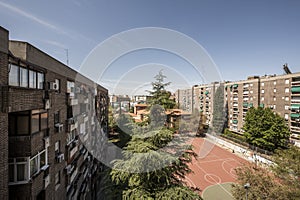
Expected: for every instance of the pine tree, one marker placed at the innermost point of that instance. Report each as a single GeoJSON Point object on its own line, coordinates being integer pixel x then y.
{"type": "Point", "coordinates": [160, 96]}
{"type": "Point", "coordinates": [218, 121]}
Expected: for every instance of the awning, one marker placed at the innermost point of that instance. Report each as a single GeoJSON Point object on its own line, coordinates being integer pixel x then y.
{"type": "Point", "coordinates": [262, 105]}
{"type": "Point", "coordinates": [235, 121]}
{"type": "Point", "coordinates": [295, 106]}
{"type": "Point", "coordinates": [245, 105]}
{"type": "Point", "coordinates": [206, 92]}
{"type": "Point", "coordinates": [235, 85]}
{"type": "Point", "coordinates": [295, 115]}
{"type": "Point", "coordinates": [250, 105]}
{"type": "Point", "coordinates": [295, 89]}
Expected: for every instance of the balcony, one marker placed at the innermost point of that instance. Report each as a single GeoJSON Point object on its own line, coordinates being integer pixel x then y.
{"type": "Point", "coordinates": [295, 89]}
{"type": "Point", "coordinates": [295, 107]}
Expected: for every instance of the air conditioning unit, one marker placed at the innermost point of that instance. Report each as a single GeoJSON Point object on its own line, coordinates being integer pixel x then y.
{"type": "Point", "coordinates": [69, 169]}
{"type": "Point", "coordinates": [47, 142]}
{"type": "Point", "coordinates": [53, 86]}
{"type": "Point", "coordinates": [59, 127]}
{"type": "Point", "coordinates": [60, 157]}
{"type": "Point", "coordinates": [71, 121]}
{"type": "Point", "coordinates": [76, 141]}
{"type": "Point", "coordinates": [47, 104]}
{"type": "Point", "coordinates": [46, 181]}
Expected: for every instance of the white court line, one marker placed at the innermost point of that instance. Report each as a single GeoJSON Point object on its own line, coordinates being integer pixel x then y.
{"type": "Point", "coordinates": [221, 159]}
{"type": "Point", "coordinates": [217, 183]}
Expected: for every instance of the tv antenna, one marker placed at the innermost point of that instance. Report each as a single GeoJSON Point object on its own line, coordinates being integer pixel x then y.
{"type": "Point", "coordinates": [67, 54]}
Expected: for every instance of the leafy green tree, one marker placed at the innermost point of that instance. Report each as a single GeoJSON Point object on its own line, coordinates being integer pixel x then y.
{"type": "Point", "coordinates": [280, 181]}
{"type": "Point", "coordinates": [218, 120]}
{"type": "Point", "coordinates": [146, 173]}
{"type": "Point", "coordinates": [265, 129]}
{"type": "Point", "coordinates": [160, 96]}
{"type": "Point", "coordinates": [287, 169]}
{"type": "Point", "coordinates": [263, 184]}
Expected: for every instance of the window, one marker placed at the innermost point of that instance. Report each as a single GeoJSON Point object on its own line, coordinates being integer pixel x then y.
{"type": "Point", "coordinates": [32, 79]}
{"type": "Point", "coordinates": [274, 98]}
{"type": "Point", "coordinates": [251, 91]}
{"type": "Point", "coordinates": [56, 117]}
{"type": "Point", "coordinates": [287, 81]}
{"type": "Point", "coordinates": [70, 87]}
{"type": "Point", "coordinates": [274, 83]}
{"type": "Point", "coordinates": [57, 147]}
{"type": "Point", "coordinates": [39, 120]}
{"type": "Point", "coordinates": [40, 80]}
{"type": "Point", "coordinates": [13, 75]}
{"type": "Point", "coordinates": [262, 84]}
{"type": "Point", "coordinates": [287, 98]}
{"type": "Point", "coordinates": [35, 123]}
{"type": "Point", "coordinates": [286, 90]}
{"type": "Point", "coordinates": [275, 90]}
{"type": "Point", "coordinates": [18, 170]}
{"type": "Point", "coordinates": [262, 98]}
{"type": "Point", "coordinates": [23, 77]}
{"type": "Point", "coordinates": [19, 123]}
{"type": "Point", "coordinates": [251, 98]}
{"type": "Point", "coordinates": [286, 116]}
{"type": "Point", "coordinates": [274, 106]}
{"type": "Point", "coordinates": [263, 91]}
{"type": "Point", "coordinates": [251, 84]}
{"type": "Point", "coordinates": [37, 162]}
{"type": "Point", "coordinates": [286, 107]}
{"type": "Point", "coordinates": [34, 165]}
{"type": "Point", "coordinates": [44, 120]}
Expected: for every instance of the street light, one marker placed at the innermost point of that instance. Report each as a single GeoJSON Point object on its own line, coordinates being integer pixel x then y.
{"type": "Point", "coordinates": [247, 186]}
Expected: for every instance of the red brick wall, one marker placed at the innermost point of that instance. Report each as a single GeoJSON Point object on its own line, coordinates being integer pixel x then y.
{"type": "Point", "coordinates": [3, 115]}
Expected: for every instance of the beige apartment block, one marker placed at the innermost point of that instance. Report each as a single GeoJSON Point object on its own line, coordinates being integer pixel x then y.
{"type": "Point", "coordinates": [281, 93]}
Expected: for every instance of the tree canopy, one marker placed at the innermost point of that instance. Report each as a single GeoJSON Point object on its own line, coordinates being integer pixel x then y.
{"type": "Point", "coordinates": [160, 96]}
{"type": "Point", "coordinates": [147, 173]}
{"type": "Point", "coordinates": [265, 129]}
{"type": "Point", "coordinates": [218, 120]}
{"type": "Point", "coordinates": [280, 181]}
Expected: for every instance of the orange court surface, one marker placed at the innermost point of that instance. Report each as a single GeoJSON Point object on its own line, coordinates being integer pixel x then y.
{"type": "Point", "coordinates": [213, 165]}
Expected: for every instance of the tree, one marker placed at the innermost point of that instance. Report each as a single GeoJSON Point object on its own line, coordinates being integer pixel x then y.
{"type": "Point", "coordinates": [263, 184]}
{"type": "Point", "coordinates": [160, 96]}
{"type": "Point", "coordinates": [218, 120]}
{"type": "Point", "coordinates": [280, 181]}
{"type": "Point", "coordinates": [147, 173]}
{"type": "Point", "coordinates": [265, 129]}
{"type": "Point", "coordinates": [287, 169]}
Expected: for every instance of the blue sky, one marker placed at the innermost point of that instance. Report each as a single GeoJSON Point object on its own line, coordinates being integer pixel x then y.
{"type": "Point", "coordinates": [242, 37]}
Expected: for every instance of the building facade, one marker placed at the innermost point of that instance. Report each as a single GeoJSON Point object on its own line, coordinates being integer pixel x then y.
{"type": "Point", "coordinates": [280, 93]}
{"type": "Point", "coordinates": [50, 119]}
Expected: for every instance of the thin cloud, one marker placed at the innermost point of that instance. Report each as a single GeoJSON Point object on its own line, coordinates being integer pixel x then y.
{"type": "Point", "coordinates": [72, 35]}
{"type": "Point", "coordinates": [33, 18]}
{"type": "Point", "coordinates": [54, 43]}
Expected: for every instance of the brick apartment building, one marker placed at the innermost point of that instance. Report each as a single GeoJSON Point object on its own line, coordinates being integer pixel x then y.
{"type": "Point", "coordinates": [278, 92]}
{"type": "Point", "coordinates": [49, 119]}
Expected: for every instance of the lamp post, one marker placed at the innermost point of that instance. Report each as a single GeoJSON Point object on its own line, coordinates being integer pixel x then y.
{"type": "Point", "coordinates": [247, 186]}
